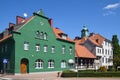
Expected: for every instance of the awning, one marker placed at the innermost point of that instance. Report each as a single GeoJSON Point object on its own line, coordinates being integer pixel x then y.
{"type": "Point", "coordinates": [71, 61]}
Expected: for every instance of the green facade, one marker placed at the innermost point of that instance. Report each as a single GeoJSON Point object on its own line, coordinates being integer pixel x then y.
{"type": "Point", "coordinates": [16, 54]}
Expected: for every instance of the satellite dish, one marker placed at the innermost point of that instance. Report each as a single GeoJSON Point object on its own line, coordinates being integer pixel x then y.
{"type": "Point", "coordinates": [25, 14]}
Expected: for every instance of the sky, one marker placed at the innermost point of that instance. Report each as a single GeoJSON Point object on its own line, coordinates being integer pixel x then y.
{"type": "Point", "coordinates": [99, 16]}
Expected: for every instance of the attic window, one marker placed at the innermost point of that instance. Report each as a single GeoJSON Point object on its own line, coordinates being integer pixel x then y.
{"type": "Point", "coordinates": [97, 40]}
{"type": "Point", "coordinates": [64, 36]}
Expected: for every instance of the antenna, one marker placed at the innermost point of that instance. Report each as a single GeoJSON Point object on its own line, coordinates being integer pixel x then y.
{"type": "Point", "coordinates": [25, 15]}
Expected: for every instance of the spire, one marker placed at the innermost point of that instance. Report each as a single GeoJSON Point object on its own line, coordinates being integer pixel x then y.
{"type": "Point", "coordinates": [40, 12]}
{"type": "Point", "coordinates": [84, 32]}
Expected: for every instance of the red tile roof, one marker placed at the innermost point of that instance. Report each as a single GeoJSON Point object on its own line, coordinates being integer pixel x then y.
{"type": "Point", "coordinates": [58, 31]}
{"type": "Point", "coordinates": [97, 39]}
{"type": "Point", "coordinates": [83, 52]}
{"type": "Point", "coordinates": [81, 41]}
{"type": "Point", "coordinates": [6, 37]}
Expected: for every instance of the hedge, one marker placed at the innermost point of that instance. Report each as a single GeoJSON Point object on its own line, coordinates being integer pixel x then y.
{"type": "Point", "coordinates": [90, 74]}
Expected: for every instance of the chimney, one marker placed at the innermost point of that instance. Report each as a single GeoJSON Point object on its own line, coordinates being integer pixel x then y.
{"type": "Point", "coordinates": [11, 25]}
{"type": "Point", "coordinates": [77, 38]}
{"type": "Point", "coordinates": [50, 22]}
{"type": "Point", "coordinates": [19, 19]}
{"type": "Point", "coordinates": [91, 34]}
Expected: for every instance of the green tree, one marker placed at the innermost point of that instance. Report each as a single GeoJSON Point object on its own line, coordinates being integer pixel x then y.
{"type": "Point", "coordinates": [115, 42]}
{"type": "Point", "coordinates": [116, 51]}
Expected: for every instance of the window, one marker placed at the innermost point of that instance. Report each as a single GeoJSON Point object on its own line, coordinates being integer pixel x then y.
{"type": "Point", "coordinates": [37, 34]}
{"type": "Point", "coordinates": [41, 35]}
{"type": "Point", "coordinates": [63, 64]}
{"type": "Point", "coordinates": [5, 47]}
{"type": "Point", "coordinates": [102, 51]}
{"type": "Point", "coordinates": [102, 59]}
{"type": "Point", "coordinates": [63, 49]}
{"type": "Point", "coordinates": [70, 50]}
{"type": "Point", "coordinates": [64, 36]}
{"type": "Point", "coordinates": [45, 36]}
{"type": "Point", "coordinates": [38, 64]}
{"type": "Point", "coordinates": [26, 45]}
{"type": "Point", "coordinates": [53, 49]}
{"type": "Point", "coordinates": [2, 48]}
{"type": "Point", "coordinates": [51, 64]}
{"type": "Point", "coordinates": [45, 48]}
{"type": "Point", "coordinates": [37, 47]}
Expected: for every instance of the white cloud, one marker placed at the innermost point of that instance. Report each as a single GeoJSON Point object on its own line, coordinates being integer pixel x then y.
{"type": "Point", "coordinates": [109, 13]}
{"type": "Point", "coordinates": [112, 6]}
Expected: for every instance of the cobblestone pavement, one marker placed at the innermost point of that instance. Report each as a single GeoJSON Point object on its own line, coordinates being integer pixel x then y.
{"type": "Point", "coordinates": [46, 76]}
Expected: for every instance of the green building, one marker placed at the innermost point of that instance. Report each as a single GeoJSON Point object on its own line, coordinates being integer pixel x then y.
{"type": "Point", "coordinates": [32, 45]}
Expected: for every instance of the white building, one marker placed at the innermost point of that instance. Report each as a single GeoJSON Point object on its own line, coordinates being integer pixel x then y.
{"type": "Point", "coordinates": [100, 47]}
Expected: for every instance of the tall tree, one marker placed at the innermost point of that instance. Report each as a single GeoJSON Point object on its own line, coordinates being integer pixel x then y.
{"type": "Point", "coordinates": [115, 42]}
{"type": "Point", "coordinates": [116, 51]}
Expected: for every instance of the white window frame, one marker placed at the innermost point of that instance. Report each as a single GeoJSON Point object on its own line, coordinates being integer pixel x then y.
{"type": "Point", "coordinates": [39, 64]}
{"type": "Point", "coordinates": [70, 50]}
{"type": "Point", "coordinates": [51, 64]}
{"type": "Point", "coordinates": [63, 49]}
{"type": "Point", "coordinates": [45, 36]}
{"type": "Point", "coordinates": [37, 47]}
{"type": "Point", "coordinates": [37, 34]}
{"type": "Point", "coordinates": [53, 49]}
{"type": "Point", "coordinates": [45, 48]}
{"type": "Point", "coordinates": [26, 45]}
{"type": "Point", "coordinates": [64, 37]}
{"type": "Point", "coordinates": [41, 35]}
{"type": "Point", "coordinates": [63, 64]}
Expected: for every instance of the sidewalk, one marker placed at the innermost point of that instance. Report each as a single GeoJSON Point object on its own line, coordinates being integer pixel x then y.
{"type": "Point", "coordinates": [46, 76]}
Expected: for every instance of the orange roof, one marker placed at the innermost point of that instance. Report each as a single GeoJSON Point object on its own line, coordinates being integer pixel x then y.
{"type": "Point", "coordinates": [6, 37]}
{"type": "Point", "coordinates": [83, 52]}
{"type": "Point", "coordinates": [81, 41]}
{"type": "Point", "coordinates": [57, 32]}
{"type": "Point", "coordinates": [97, 39]}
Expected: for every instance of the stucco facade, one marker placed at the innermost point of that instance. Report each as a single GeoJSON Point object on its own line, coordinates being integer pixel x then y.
{"type": "Point", "coordinates": [34, 47]}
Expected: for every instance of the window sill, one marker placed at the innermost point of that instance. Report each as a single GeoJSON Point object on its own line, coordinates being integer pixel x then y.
{"type": "Point", "coordinates": [38, 68]}
{"type": "Point", "coordinates": [40, 39]}
{"type": "Point", "coordinates": [50, 67]}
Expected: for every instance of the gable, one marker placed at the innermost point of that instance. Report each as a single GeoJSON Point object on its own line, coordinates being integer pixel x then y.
{"type": "Point", "coordinates": [36, 23]}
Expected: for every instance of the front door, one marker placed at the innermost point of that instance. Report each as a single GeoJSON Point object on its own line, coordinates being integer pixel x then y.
{"type": "Point", "coordinates": [23, 66]}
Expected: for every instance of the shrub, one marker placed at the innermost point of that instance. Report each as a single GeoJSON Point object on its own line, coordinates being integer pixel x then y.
{"type": "Point", "coordinates": [103, 69]}
{"type": "Point", "coordinates": [91, 74]}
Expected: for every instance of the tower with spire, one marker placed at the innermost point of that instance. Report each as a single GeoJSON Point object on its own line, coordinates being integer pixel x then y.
{"type": "Point", "coordinates": [84, 32]}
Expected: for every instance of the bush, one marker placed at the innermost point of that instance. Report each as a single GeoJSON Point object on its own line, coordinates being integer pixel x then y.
{"type": "Point", "coordinates": [90, 74]}
{"type": "Point", "coordinates": [103, 69]}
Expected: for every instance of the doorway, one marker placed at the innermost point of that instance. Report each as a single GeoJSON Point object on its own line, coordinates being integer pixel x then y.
{"type": "Point", "coordinates": [24, 66]}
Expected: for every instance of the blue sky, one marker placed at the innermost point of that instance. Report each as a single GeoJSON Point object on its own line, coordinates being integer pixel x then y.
{"type": "Point", "coordinates": [100, 16]}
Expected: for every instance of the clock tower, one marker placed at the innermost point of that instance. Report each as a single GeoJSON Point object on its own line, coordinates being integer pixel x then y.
{"type": "Point", "coordinates": [84, 32]}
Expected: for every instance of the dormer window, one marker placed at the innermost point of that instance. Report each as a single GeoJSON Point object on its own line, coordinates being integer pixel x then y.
{"type": "Point", "coordinates": [63, 36]}
{"type": "Point", "coordinates": [97, 40]}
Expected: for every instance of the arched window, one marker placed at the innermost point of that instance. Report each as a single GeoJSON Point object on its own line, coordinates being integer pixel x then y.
{"type": "Point", "coordinates": [63, 64]}
{"type": "Point", "coordinates": [41, 35]}
{"type": "Point", "coordinates": [38, 64]}
{"type": "Point", "coordinates": [51, 63]}
{"type": "Point", "coordinates": [37, 34]}
{"type": "Point", "coordinates": [45, 36]}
